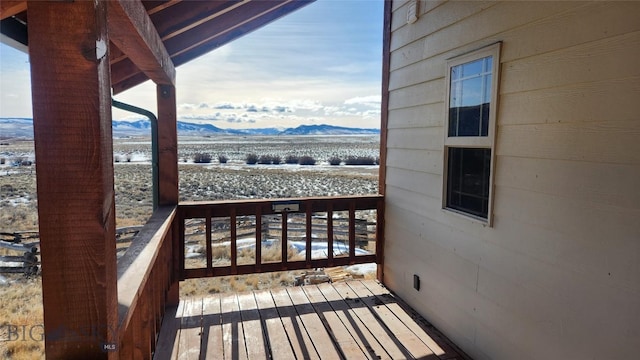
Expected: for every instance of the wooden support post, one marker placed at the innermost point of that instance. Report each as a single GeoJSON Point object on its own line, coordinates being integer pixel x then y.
{"type": "Point", "coordinates": [168, 175]}
{"type": "Point", "coordinates": [70, 85]}
{"type": "Point", "coordinates": [167, 146]}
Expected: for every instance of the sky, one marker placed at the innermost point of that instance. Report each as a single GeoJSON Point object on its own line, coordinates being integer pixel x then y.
{"type": "Point", "coordinates": [321, 64]}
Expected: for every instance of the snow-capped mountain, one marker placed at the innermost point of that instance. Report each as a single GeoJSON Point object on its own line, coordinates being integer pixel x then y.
{"type": "Point", "coordinates": [23, 128]}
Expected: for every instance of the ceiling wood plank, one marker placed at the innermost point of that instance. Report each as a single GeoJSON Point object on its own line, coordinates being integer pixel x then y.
{"type": "Point", "coordinates": [132, 31]}
{"type": "Point", "coordinates": [235, 32]}
{"type": "Point", "coordinates": [128, 83]}
{"type": "Point", "coordinates": [11, 8]}
{"type": "Point", "coordinates": [123, 70]}
{"type": "Point", "coordinates": [187, 15]}
{"type": "Point", "coordinates": [219, 31]}
{"type": "Point", "coordinates": [225, 23]}
{"type": "Point", "coordinates": [158, 5]}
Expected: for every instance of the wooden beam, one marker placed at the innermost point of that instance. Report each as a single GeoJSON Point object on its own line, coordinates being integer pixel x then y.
{"type": "Point", "coordinates": [11, 8]}
{"type": "Point", "coordinates": [72, 127]}
{"type": "Point", "coordinates": [131, 29]}
{"type": "Point", "coordinates": [167, 146]}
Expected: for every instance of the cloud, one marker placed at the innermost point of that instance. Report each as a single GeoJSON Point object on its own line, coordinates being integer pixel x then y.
{"type": "Point", "coordinates": [353, 68]}
{"type": "Point", "coordinates": [371, 100]}
{"type": "Point", "coordinates": [187, 106]}
{"type": "Point", "coordinates": [226, 106]}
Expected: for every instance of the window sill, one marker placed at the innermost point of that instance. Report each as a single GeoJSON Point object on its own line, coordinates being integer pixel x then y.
{"type": "Point", "coordinates": [471, 218]}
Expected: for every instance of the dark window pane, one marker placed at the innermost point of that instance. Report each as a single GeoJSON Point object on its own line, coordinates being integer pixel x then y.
{"type": "Point", "coordinates": [468, 180]}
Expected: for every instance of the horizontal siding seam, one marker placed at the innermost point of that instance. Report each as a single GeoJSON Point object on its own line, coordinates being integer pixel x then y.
{"type": "Point", "coordinates": [415, 170]}
{"type": "Point", "coordinates": [498, 154]}
{"type": "Point", "coordinates": [561, 196]}
{"type": "Point", "coordinates": [413, 128]}
{"type": "Point", "coordinates": [410, 84]}
{"type": "Point", "coordinates": [416, 105]}
{"type": "Point", "coordinates": [448, 25]}
{"type": "Point", "coordinates": [413, 192]}
{"type": "Point", "coordinates": [554, 15]}
{"type": "Point", "coordinates": [425, 82]}
{"type": "Point", "coordinates": [563, 86]}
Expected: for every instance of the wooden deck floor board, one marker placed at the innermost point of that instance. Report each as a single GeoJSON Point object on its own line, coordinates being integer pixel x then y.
{"type": "Point", "coordinates": [340, 334]}
{"type": "Point", "coordinates": [212, 337]}
{"type": "Point", "coordinates": [322, 341]}
{"type": "Point", "coordinates": [391, 303]}
{"type": "Point", "coordinates": [190, 330]}
{"type": "Point", "coordinates": [348, 320]}
{"type": "Point", "coordinates": [391, 345]}
{"type": "Point", "coordinates": [280, 346]}
{"type": "Point", "coordinates": [358, 329]}
{"type": "Point", "coordinates": [253, 334]}
{"type": "Point", "coordinates": [232, 329]}
{"type": "Point", "coordinates": [300, 340]}
{"type": "Point", "coordinates": [407, 338]}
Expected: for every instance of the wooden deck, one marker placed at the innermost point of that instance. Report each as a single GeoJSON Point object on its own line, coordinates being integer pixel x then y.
{"type": "Point", "coordinates": [344, 320]}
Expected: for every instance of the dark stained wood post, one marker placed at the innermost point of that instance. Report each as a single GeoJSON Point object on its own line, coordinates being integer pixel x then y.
{"type": "Point", "coordinates": [167, 146]}
{"type": "Point", "coordinates": [70, 77]}
{"type": "Point", "coordinates": [168, 169]}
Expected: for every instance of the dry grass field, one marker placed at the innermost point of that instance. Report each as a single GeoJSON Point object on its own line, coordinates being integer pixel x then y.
{"type": "Point", "coordinates": [21, 298]}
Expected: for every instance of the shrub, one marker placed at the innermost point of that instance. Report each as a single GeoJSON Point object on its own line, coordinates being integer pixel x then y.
{"type": "Point", "coordinates": [291, 159]}
{"type": "Point", "coordinates": [269, 159]}
{"type": "Point", "coordinates": [201, 158]}
{"type": "Point", "coordinates": [307, 160]}
{"type": "Point", "coordinates": [115, 158]}
{"type": "Point", "coordinates": [222, 159]}
{"type": "Point", "coordinates": [360, 160]}
{"type": "Point", "coordinates": [252, 159]}
{"type": "Point", "coordinates": [335, 160]}
{"type": "Point", "coordinates": [264, 159]}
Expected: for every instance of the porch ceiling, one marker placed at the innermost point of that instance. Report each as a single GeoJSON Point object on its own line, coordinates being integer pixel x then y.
{"type": "Point", "coordinates": [181, 31]}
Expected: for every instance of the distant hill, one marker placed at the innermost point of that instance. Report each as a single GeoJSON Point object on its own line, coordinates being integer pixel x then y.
{"type": "Point", "coordinates": [327, 130]}
{"type": "Point", "coordinates": [23, 128]}
{"type": "Point", "coordinates": [16, 128]}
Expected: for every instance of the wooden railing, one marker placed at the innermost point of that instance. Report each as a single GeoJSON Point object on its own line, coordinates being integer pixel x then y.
{"type": "Point", "coordinates": [147, 284]}
{"type": "Point", "coordinates": [312, 212]}
{"type": "Point", "coordinates": [149, 271]}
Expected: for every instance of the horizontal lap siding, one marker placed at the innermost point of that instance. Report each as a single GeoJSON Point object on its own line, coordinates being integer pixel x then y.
{"type": "Point", "coordinates": [561, 265]}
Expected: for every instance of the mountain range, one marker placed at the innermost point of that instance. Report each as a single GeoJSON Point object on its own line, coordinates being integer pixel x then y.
{"type": "Point", "coordinates": [23, 128]}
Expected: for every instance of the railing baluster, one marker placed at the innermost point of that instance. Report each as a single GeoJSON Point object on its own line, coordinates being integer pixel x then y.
{"type": "Point", "coordinates": [180, 245]}
{"type": "Point", "coordinates": [309, 209]}
{"type": "Point", "coordinates": [330, 234]}
{"type": "Point", "coordinates": [258, 251]}
{"type": "Point", "coordinates": [283, 242]}
{"type": "Point", "coordinates": [208, 240]}
{"type": "Point", "coordinates": [352, 232]}
{"type": "Point", "coordinates": [234, 247]}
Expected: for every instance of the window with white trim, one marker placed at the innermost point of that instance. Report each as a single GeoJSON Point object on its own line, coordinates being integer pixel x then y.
{"type": "Point", "coordinates": [472, 81]}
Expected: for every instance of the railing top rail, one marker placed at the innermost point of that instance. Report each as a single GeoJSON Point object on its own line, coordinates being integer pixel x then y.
{"type": "Point", "coordinates": [263, 200]}
{"type": "Point", "coordinates": [135, 265]}
{"type": "Point", "coordinates": [221, 208]}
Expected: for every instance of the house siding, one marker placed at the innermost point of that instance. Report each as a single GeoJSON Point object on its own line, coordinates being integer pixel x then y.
{"type": "Point", "coordinates": [557, 275]}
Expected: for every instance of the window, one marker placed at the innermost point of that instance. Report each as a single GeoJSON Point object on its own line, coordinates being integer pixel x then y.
{"type": "Point", "coordinates": [469, 138]}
